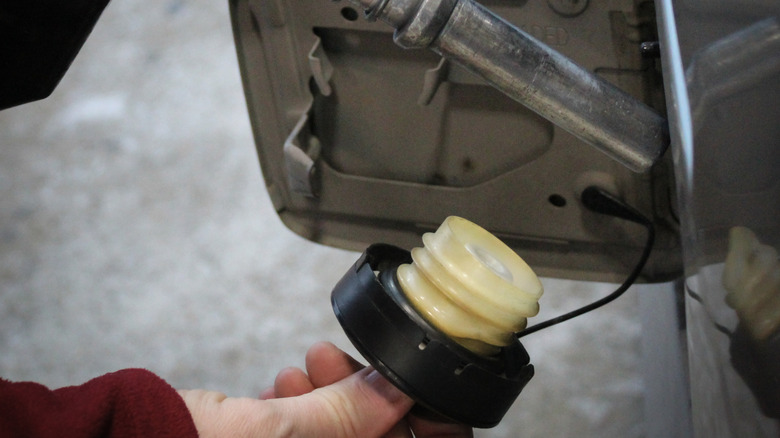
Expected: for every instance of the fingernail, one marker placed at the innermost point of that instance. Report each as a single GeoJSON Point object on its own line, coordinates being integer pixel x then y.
{"type": "Point", "coordinates": [384, 388]}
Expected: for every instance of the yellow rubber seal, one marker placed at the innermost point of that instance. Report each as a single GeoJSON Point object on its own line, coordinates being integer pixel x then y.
{"type": "Point", "coordinates": [471, 286]}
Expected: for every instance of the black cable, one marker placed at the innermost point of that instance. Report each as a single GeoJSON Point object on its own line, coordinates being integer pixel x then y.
{"type": "Point", "coordinates": [601, 201]}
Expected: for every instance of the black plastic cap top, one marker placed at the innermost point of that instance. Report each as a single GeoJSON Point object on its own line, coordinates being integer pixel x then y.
{"type": "Point", "coordinates": [439, 374]}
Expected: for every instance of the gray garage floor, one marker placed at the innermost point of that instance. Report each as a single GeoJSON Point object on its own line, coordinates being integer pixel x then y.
{"type": "Point", "coordinates": [135, 231]}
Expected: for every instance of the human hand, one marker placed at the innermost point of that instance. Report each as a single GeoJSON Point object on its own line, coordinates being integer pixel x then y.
{"type": "Point", "coordinates": [336, 397]}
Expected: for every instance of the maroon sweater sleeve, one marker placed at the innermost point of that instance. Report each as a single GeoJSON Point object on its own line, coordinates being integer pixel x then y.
{"type": "Point", "coordinates": [131, 403]}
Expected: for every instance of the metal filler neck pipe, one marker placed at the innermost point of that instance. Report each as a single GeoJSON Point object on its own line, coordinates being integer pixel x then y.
{"type": "Point", "coordinates": [531, 73]}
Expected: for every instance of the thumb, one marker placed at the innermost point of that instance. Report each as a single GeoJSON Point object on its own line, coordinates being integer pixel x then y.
{"type": "Point", "coordinates": [364, 404]}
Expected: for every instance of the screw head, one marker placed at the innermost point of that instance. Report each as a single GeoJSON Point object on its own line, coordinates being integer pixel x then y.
{"type": "Point", "coordinates": [568, 8]}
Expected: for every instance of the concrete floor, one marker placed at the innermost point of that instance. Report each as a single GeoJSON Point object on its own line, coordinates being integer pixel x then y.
{"type": "Point", "coordinates": [135, 231]}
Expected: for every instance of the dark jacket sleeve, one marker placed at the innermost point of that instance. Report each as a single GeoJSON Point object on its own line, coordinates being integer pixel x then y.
{"type": "Point", "coordinates": [131, 403]}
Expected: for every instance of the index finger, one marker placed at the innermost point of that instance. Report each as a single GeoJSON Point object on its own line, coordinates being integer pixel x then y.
{"type": "Point", "coordinates": [425, 428]}
{"type": "Point", "coordinates": [327, 364]}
